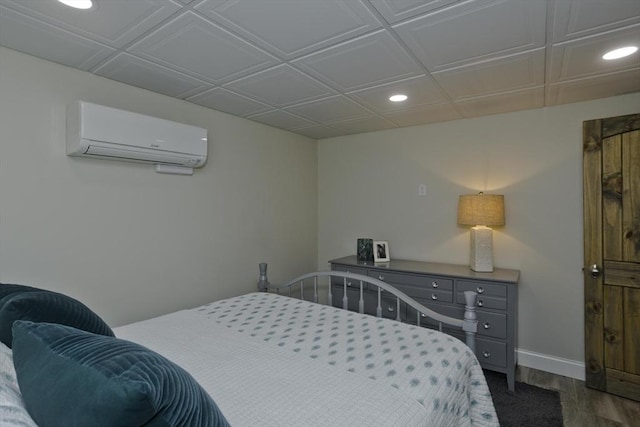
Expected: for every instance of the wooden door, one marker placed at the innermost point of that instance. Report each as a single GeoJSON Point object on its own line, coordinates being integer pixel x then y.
{"type": "Point", "coordinates": [612, 254]}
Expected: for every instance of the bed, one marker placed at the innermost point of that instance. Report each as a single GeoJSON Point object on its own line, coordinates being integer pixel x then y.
{"type": "Point", "coordinates": [260, 359]}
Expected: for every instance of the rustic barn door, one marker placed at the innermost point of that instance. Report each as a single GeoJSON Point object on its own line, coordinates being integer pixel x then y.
{"type": "Point", "coordinates": [612, 254]}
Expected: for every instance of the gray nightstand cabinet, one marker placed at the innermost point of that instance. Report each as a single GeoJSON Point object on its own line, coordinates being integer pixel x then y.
{"type": "Point", "coordinates": [441, 288]}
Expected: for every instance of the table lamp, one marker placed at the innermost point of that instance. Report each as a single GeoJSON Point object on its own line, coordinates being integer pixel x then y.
{"type": "Point", "coordinates": [480, 211]}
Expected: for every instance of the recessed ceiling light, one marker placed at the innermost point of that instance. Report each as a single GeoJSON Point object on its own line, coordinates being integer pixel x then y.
{"type": "Point", "coordinates": [78, 4]}
{"type": "Point", "coordinates": [620, 53]}
{"type": "Point", "coordinates": [398, 98]}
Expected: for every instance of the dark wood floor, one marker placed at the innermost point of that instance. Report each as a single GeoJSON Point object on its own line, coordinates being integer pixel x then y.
{"type": "Point", "coordinates": [582, 406]}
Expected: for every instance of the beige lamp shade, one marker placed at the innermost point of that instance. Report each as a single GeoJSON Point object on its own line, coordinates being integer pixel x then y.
{"type": "Point", "coordinates": [481, 209]}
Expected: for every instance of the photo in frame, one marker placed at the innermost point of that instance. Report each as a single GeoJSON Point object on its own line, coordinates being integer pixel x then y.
{"type": "Point", "coordinates": [365, 250]}
{"type": "Point", "coordinates": [381, 251]}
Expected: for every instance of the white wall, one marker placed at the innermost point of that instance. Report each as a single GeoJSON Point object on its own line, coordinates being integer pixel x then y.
{"type": "Point", "coordinates": [131, 243]}
{"type": "Point", "coordinates": [367, 187]}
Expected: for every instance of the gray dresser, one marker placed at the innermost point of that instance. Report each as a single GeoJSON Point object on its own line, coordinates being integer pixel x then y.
{"type": "Point", "coordinates": [441, 288]}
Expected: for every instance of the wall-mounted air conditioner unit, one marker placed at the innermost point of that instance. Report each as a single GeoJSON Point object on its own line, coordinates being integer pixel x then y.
{"type": "Point", "coordinates": [108, 133]}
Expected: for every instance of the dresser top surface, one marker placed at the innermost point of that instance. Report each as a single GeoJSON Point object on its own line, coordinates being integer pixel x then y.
{"type": "Point", "coordinates": [435, 268]}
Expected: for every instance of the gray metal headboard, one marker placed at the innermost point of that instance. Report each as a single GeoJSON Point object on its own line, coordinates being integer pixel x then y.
{"type": "Point", "coordinates": [468, 324]}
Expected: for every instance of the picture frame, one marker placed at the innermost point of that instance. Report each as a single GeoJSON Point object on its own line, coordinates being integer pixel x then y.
{"type": "Point", "coordinates": [364, 252]}
{"type": "Point", "coordinates": [381, 251]}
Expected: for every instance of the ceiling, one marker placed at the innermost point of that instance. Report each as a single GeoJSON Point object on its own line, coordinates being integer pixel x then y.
{"type": "Point", "coordinates": [325, 68]}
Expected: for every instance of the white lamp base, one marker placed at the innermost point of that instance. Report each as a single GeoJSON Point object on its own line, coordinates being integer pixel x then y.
{"type": "Point", "coordinates": [481, 251]}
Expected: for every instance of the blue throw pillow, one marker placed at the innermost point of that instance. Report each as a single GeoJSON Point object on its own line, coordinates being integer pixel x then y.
{"type": "Point", "coordinates": [7, 289]}
{"type": "Point", "coordinates": [39, 305]}
{"type": "Point", "coordinates": [70, 377]}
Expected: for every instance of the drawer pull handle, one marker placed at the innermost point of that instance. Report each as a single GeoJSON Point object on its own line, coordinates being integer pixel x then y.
{"type": "Point", "coordinates": [390, 309]}
{"type": "Point", "coordinates": [423, 315]}
{"type": "Point", "coordinates": [434, 285]}
{"type": "Point", "coordinates": [480, 303]}
{"type": "Point", "coordinates": [434, 297]}
{"type": "Point", "coordinates": [486, 325]}
{"type": "Point", "coordinates": [486, 354]}
{"type": "Point", "coordinates": [480, 289]}
{"type": "Point", "coordinates": [348, 283]}
{"type": "Point", "coordinates": [381, 277]}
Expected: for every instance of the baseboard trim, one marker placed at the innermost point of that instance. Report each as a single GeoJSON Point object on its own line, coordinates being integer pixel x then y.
{"type": "Point", "coordinates": [555, 365]}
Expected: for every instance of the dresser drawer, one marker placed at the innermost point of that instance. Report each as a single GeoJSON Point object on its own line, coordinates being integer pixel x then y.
{"type": "Point", "coordinates": [350, 282]}
{"type": "Point", "coordinates": [431, 293]}
{"type": "Point", "coordinates": [489, 295]}
{"type": "Point", "coordinates": [414, 285]}
{"type": "Point", "coordinates": [492, 324]}
{"type": "Point", "coordinates": [491, 352]}
{"type": "Point", "coordinates": [485, 302]}
{"type": "Point", "coordinates": [389, 305]}
{"type": "Point", "coordinates": [446, 310]}
{"type": "Point", "coordinates": [482, 288]}
{"type": "Point", "coordinates": [488, 351]}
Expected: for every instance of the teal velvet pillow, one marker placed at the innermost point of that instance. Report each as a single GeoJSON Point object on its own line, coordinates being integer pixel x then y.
{"type": "Point", "coordinates": [7, 289]}
{"type": "Point", "coordinates": [39, 305]}
{"type": "Point", "coordinates": [70, 377]}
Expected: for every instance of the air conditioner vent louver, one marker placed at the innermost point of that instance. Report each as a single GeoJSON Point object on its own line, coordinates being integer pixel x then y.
{"type": "Point", "coordinates": [136, 155]}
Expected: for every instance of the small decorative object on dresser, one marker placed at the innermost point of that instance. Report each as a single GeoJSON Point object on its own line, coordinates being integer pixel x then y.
{"type": "Point", "coordinates": [365, 250]}
{"type": "Point", "coordinates": [381, 251]}
{"type": "Point", "coordinates": [441, 287]}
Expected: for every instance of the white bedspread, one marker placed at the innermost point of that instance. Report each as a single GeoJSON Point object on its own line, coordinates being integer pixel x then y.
{"type": "Point", "coordinates": [13, 413]}
{"type": "Point", "coordinates": [269, 360]}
